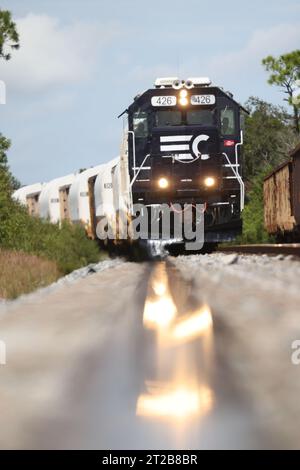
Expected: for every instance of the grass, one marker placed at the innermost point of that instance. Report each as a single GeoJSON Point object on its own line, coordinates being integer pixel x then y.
{"type": "Point", "coordinates": [35, 252]}
{"type": "Point", "coordinates": [21, 273]}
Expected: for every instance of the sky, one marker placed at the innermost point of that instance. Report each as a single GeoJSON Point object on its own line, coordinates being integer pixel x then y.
{"type": "Point", "coordinates": [81, 62]}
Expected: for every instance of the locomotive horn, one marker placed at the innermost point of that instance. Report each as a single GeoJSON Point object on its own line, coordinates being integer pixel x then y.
{"type": "Point", "coordinates": [177, 84]}
{"type": "Point", "coordinates": [189, 84]}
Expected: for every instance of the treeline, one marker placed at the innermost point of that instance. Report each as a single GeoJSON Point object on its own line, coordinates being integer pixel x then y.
{"type": "Point", "coordinates": [270, 136]}
{"type": "Point", "coordinates": [271, 132]}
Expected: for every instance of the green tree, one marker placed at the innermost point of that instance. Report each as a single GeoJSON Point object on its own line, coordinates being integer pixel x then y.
{"type": "Point", "coordinates": [253, 214]}
{"type": "Point", "coordinates": [4, 168]}
{"type": "Point", "coordinates": [269, 137]}
{"type": "Point", "coordinates": [9, 38]}
{"type": "Point", "coordinates": [285, 71]}
{"type": "Point", "coordinates": [4, 146]}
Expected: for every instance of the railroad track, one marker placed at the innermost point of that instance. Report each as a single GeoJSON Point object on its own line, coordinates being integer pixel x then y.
{"type": "Point", "coordinates": [172, 350]}
{"type": "Point", "coordinates": [144, 359]}
{"type": "Point", "coordinates": [267, 249]}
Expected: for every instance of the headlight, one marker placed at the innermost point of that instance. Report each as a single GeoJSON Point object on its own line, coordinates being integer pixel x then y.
{"type": "Point", "coordinates": [163, 183]}
{"type": "Point", "coordinates": [209, 181]}
{"type": "Point", "coordinates": [183, 100]}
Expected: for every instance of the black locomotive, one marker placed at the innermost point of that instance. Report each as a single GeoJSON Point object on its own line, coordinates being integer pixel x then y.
{"type": "Point", "coordinates": [184, 141]}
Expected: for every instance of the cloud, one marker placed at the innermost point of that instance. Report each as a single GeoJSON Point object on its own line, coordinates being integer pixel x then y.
{"type": "Point", "coordinates": [239, 70]}
{"type": "Point", "coordinates": [276, 40]}
{"type": "Point", "coordinates": [242, 69]}
{"type": "Point", "coordinates": [52, 54]}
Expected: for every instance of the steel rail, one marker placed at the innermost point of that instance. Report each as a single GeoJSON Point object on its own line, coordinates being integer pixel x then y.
{"type": "Point", "coordinates": [267, 249]}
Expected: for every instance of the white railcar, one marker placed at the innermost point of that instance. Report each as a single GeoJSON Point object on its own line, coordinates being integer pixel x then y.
{"type": "Point", "coordinates": [21, 194]}
{"type": "Point", "coordinates": [51, 200]}
{"type": "Point", "coordinates": [80, 196]}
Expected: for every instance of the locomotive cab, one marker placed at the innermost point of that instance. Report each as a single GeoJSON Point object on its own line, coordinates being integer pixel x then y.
{"type": "Point", "coordinates": [184, 141]}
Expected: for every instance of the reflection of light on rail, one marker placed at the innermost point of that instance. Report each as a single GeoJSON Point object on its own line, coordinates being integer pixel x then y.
{"type": "Point", "coordinates": [159, 308]}
{"type": "Point", "coordinates": [178, 402]}
{"type": "Point", "coordinates": [180, 392]}
{"type": "Point", "coordinates": [159, 288]}
{"type": "Point", "coordinates": [159, 313]}
{"type": "Point", "coordinates": [193, 325]}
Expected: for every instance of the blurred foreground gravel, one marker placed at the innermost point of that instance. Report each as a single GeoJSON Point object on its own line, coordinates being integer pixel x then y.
{"type": "Point", "coordinates": [82, 367]}
{"type": "Point", "coordinates": [255, 302]}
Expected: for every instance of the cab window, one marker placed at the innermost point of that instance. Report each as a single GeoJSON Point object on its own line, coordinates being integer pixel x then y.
{"type": "Point", "coordinates": [200, 116]}
{"type": "Point", "coordinates": [168, 118]}
{"type": "Point", "coordinates": [140, 124]}
{"type": "Point", "coordinates": [228, 121]}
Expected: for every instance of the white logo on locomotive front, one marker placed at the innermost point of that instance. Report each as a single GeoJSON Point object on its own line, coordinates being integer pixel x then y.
{"type": "Point", "coordinates": [196, 142]}
{"type": "Point", "coordinates": [181, 144]}
{"type": "Point", "coordinates": [176, 143]}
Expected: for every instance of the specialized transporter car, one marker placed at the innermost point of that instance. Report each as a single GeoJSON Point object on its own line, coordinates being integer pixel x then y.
{"type": "Point", "coordinates": [181, 145]}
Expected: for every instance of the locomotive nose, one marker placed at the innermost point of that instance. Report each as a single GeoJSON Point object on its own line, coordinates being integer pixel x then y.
{"type": "Point", "coordinates": [185, 143]}
{"type": "Point", "coordinates": [187, 158]}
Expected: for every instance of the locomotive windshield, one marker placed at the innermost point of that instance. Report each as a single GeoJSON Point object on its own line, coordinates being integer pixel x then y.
{"type": "Point", "coordinates": [200, 117]}
{"type": "Point", "coordinates": [168, 118]}
{"type": "Point", "coordinates": [210, 113]}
